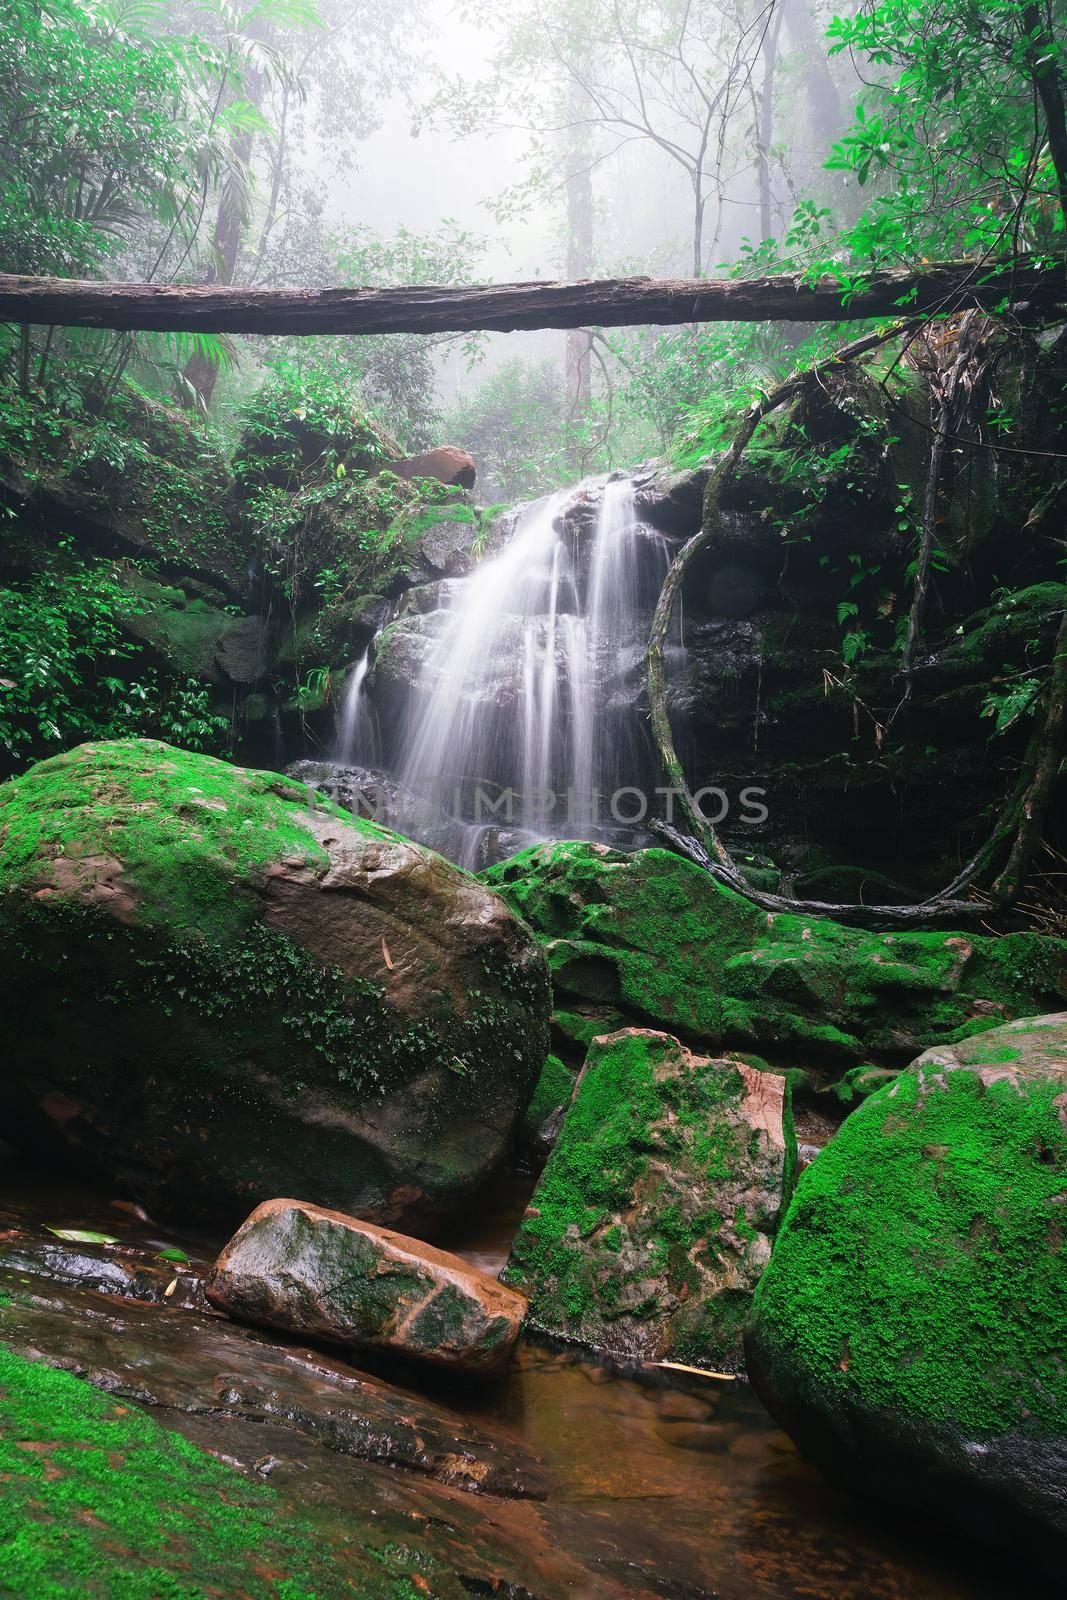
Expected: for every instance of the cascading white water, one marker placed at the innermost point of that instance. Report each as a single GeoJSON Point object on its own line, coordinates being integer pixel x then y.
{"type": "Point", "coordinates": [536, 669]}
{"type": "Point", "coordinates": [357, 737]}
{"type": "Point", "coordinates": [453, 733]}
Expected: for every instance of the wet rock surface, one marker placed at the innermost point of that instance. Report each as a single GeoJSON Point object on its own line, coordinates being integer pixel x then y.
{"type": "Point", "coordinates": [231, 990]}
{"type": "Point", "coordinates": [671, 1488]}
{"type": "Point", "coordinates": [323, 1275]}
{"type": "Point", "coordinates": [654, 1216]}
{"type": "Point", "coordinates": [910, 1329]}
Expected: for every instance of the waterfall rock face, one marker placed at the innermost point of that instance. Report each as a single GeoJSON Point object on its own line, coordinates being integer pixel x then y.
{"type": "Point", "coordinates": [911, 1327]}
{"type": "Point", "coordinates": [653, 1218]}
{"type": "Point", "coordinates": [320, 1273]}
{"type": "Point", "coordinates": [218, 987]}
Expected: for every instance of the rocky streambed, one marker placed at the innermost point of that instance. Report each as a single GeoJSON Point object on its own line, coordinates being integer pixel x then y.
{"type": "Point", "coordinates": [564, 1478]}
{"type": "Point", "coordinates": [230, 1002]}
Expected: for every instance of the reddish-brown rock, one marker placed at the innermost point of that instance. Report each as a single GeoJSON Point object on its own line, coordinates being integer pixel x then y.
{"type": "Point", "coordinates": [448, 463]}
{"type": "Point", "coordinates": [319, 1273]}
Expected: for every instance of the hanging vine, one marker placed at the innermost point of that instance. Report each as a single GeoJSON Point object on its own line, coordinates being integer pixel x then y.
{"type": "Point", "coordinates": [1023, 815]}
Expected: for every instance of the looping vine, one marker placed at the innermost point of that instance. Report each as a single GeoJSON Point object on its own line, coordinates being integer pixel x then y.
{"type": "Point", "coordinates": [1022, 816]}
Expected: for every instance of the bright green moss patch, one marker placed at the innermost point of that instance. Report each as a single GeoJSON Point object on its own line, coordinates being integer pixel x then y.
{"type": "Point", "coordinates": [99, 1500]}
{"type": "Point", "coordinates": [649, 932]}
{"type": "Point", "coordinates": [184, 828]}
{"type": "Point", "coordinates": [921, 1267]}
{"type": "Point", "coordinates": [656, 1202]}
{"type": "Point", "coordinates": [657, 938]}
{"type": "Point", "coordinates": [552, 1092]}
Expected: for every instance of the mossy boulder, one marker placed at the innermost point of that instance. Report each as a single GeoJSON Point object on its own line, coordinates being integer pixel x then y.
{"type": "Point", "coordinates": [543, 1117]}
{"type": "Point", "coordinates": [654, 936]}
{"type": "Point", "coordinates": [911, 1328]}
{"type": "Point", "coordinates": [322, 1274]}
{"type": "Point", "coordinates": [218, 987]}
{"type": "Point", "coordinates": [653, 1218]}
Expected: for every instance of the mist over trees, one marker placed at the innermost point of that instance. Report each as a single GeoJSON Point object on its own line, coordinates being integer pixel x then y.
{"type": "Point", "coordinates": [168, 142]}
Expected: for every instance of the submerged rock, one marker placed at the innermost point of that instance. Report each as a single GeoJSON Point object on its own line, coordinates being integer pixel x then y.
{"type": "Point", "coordinates": [218, 987]}
{"type": "Point", "coordinates": [655, 936]}
{"type": "Point", "coordinates": [653, 1218]}
{"type": "Point", "coordinates": [314, 1272]}
{"type": "Point", "coordinates": [911, 1328]}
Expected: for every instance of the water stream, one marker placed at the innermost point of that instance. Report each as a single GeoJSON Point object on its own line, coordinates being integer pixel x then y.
{"type": "Point", "coordinates": [668, 1486]}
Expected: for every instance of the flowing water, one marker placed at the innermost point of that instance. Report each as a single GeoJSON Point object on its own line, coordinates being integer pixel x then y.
{"type": "Point", "coordinates": [526, 711]}
{"type": "Point", "coordinates": [358, 733]}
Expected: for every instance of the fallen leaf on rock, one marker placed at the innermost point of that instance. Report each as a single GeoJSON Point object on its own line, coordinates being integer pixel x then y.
{"type": "Point", "coordinates": [83, 1236]}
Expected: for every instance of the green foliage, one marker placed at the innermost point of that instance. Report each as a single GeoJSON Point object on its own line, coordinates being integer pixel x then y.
{"type": "Point", "coordinates": [947, 131]}
{"type": "Point", "coordinates": [1006, 704]}
{"type": "Point", "coordinates": [65, 667]}
{"type": "Point", "coordinates": [97, 131]}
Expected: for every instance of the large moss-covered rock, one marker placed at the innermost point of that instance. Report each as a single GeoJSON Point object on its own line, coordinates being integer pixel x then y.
{"type": "Point", "coordinates": [217, 987]}
{"type": "Point", "coordinates": [911, 1328]}
{"type": "Point", "coordinates": [652, 1221]}
{"type": "Point", "coordinates": [654, 935]}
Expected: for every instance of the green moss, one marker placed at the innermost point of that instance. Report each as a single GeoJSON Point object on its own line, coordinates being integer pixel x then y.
{"type": "Point", "coordinates": [649, 1150]}
{"type": "Point", "coordinates": [553, 1090]}
{"type": "Point", "coordinates": [920, 1268]}
{"type": "Point", "coordinates": [242, 1025]}
{"type": "Point", "coordinates": [184, 827]}
{"type": "Point", "coordinates": [655, 937]}
{"type": "Point", "coordinates": [100, 1500]}
{"type": "Point", "coordinates": [651, 932]}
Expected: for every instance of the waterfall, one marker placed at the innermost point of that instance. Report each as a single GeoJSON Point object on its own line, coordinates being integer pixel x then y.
{"type": "Point", "coordinates": [519, 714]}
{"type": "Point", "coordinates": [461, 732]}
{"type": "Point", "coordinates": [357, 737]}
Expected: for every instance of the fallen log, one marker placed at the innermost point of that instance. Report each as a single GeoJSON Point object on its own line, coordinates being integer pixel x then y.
{"type": "Point", "coordinates": [936, 288]}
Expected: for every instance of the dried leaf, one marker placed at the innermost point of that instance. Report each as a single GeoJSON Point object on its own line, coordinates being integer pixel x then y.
{"type": "Point", "coordinates": [385, 953]}
{"type": "Point", "coordinates": [169, 1290]}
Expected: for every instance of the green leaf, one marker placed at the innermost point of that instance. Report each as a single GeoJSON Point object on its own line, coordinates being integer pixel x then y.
{"type": "Point", "coordinates": [83, 1236]}
{"type": "Point", "coordinates": [172, 1254]}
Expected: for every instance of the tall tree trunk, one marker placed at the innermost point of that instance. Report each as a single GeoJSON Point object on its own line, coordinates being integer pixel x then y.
{"type": "Point", "coordinates": [579, 257]}
{"type": "Point", "coordinates": [824, 99]}
{"type": "Point", "coordinates": [769, 49]}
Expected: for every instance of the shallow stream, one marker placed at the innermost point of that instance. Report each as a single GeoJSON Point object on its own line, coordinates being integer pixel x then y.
{"type": "Point", "coordinates": [599, 1483]}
